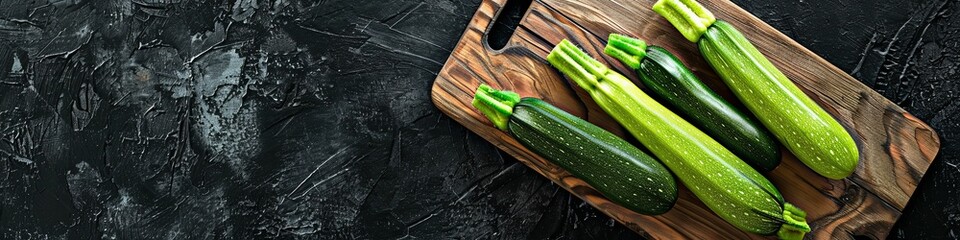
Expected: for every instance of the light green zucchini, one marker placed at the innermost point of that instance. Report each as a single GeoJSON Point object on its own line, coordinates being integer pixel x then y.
{"type": "Point", "coordinates": [809, 132]}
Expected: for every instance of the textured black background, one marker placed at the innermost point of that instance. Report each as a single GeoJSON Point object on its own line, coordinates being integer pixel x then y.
{"type": "Point", "coordinates": [297, 119]}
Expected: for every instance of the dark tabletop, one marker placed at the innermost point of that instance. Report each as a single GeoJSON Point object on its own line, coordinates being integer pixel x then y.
{"type": "Point", "coordinates": [303, 119]}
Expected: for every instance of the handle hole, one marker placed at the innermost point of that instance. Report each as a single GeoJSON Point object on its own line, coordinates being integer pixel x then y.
{"type": "Point", "coordinates": [506, 22]}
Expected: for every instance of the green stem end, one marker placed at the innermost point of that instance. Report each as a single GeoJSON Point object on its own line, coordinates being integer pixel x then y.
{"type": "Point", "coordinates": [795, 223]}
{"type": "Point", "coordinates": [577, 65]}
{"type": "Point", "coordinates": [626, 49]}
{"type": "Point", "coordinates": [688, 16]}
{"type": "Point", "coordinates": [496, 105]}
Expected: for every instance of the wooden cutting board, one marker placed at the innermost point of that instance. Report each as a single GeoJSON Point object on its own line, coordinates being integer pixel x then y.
{"type": "Point", "coordinates": [895, 147]}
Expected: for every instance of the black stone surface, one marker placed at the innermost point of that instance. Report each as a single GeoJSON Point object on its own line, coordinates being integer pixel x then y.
{"type": "Point", "coordinates": [172, 119]}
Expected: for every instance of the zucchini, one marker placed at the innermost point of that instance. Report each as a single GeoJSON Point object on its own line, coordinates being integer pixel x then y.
{"type": "Point", "coordinates": [616, 169]}
{"type": "Point", "coordinates": [668, 79]}
{"type": "Point", "coordinates": [728, 186]}
{"type": "Point", "coordinates": [809, 132]}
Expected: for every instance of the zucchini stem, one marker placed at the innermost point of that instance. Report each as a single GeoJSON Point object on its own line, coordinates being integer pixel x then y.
{"type": "Point", "coordinates": [626, 49]}
{"type": "Point", "coordinates": [795, 223]}
{"type": "Point", "coordinates": [496, 105]}
{"type": "Point", "coordinates": [688, 16]}
{"type": "Point", "coordinates": [577, 65]}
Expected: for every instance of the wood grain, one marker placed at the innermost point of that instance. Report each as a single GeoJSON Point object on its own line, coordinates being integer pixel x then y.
{"type": "Point", "coordinates": [895, 147]}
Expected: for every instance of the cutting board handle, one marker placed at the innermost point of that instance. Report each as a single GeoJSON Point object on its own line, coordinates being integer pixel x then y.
{"type": "Point", "coordinates": [507, 18]}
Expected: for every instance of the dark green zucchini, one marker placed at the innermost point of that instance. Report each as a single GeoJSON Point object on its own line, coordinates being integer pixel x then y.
{"type": "Point", "coordinates": [667, 78]}
{"type": "Point", "coordinates": [616, 169]}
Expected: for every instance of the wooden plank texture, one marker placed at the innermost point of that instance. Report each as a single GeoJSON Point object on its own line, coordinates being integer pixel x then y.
{"type": "Point", "coordinates": [895, 147]}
